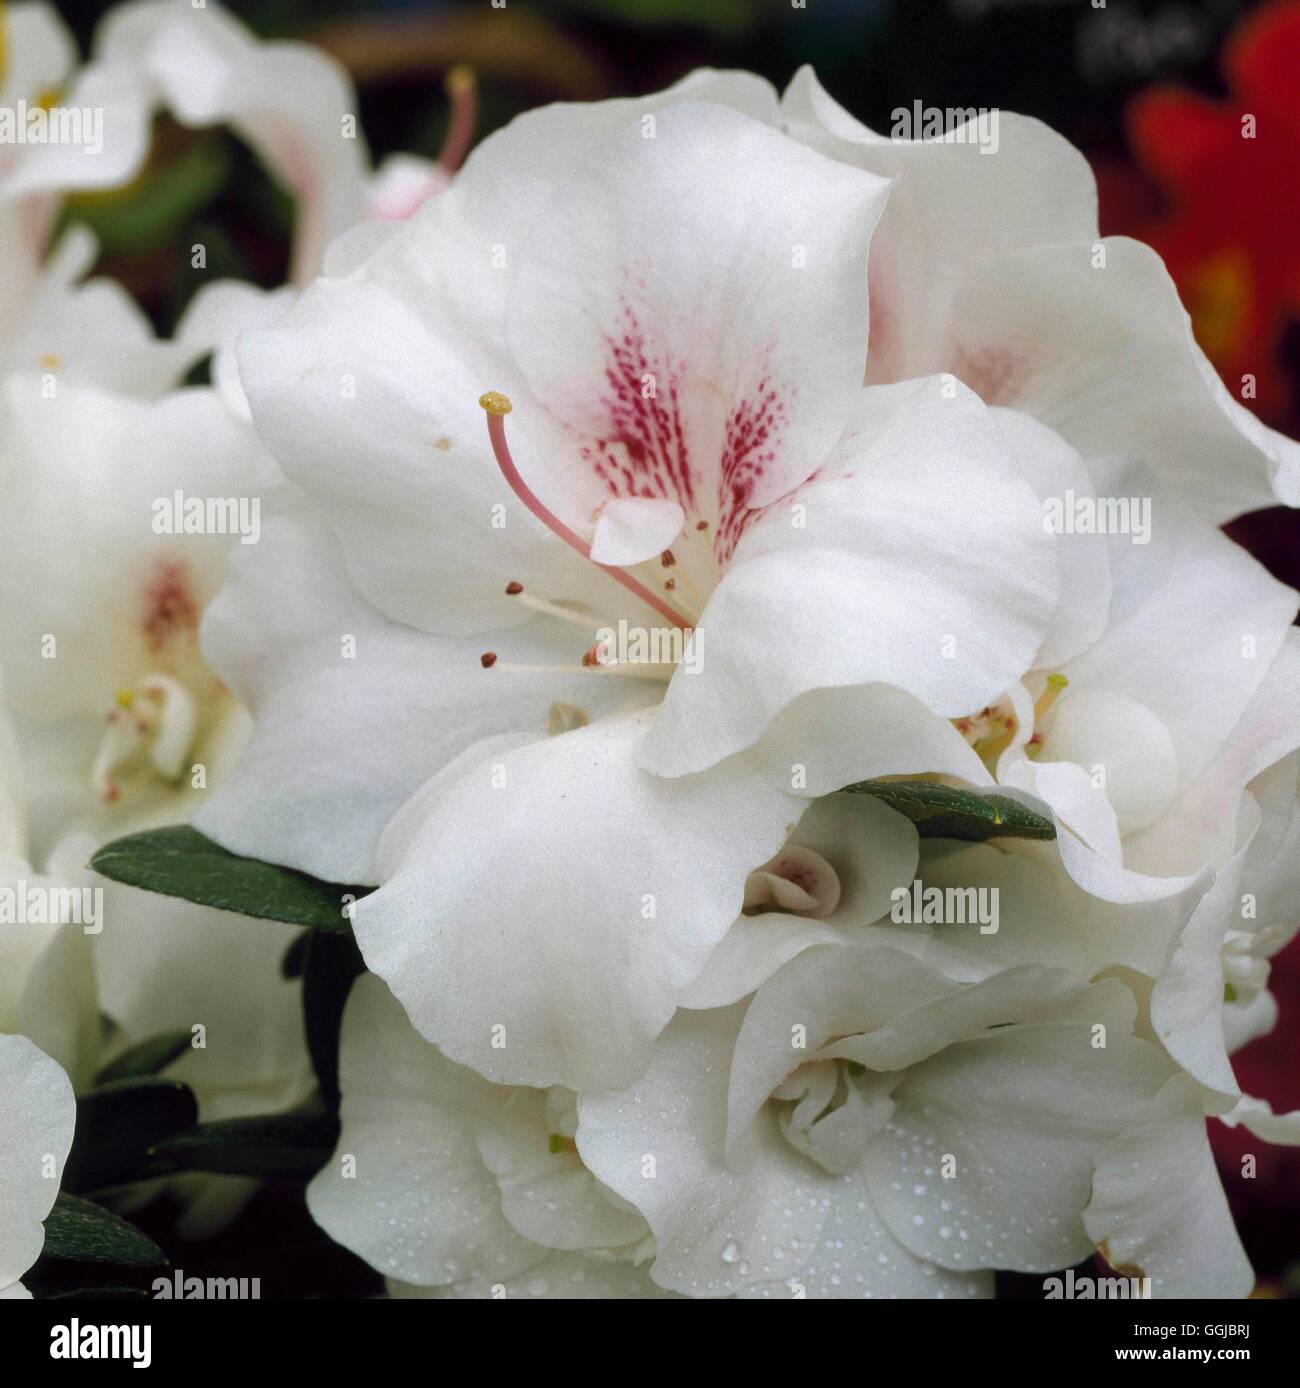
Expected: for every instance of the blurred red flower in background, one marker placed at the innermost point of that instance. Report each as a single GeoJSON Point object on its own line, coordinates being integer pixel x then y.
{"type": "Point", "coordinates": [1230, 226]}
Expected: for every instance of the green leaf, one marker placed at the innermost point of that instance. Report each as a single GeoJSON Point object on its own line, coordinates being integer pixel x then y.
{"type": "Point", "coordinates": [332, 963]}
{"type": "Point", "coordinates": [283, 1144]}
{"type": "Point", "coordinates": [179, 861]}
{"type": "Point", "coordinates": [948, 812]}
{"type": "Point", "coordinates": [118, 1123]}
{"type": "Point", "coordinates": [146, 1057]}
{"type": "Point", "coordinates": [294, 962]}
{"type": "Point", "coordinates": [83, 1232]}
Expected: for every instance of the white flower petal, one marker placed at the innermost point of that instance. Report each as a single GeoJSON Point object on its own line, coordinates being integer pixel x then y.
{"type": "Point", "coordinates": [549, 1196]}
{"type": "Point", "coordinates": [634, 528]}
{"type": "Point", "coordinates": [354, 712]}
{"type": "Point", "coordinates": [557, 899]}
{"type": "Point", "coordinates": [659, 1145]}
{"type": "Point", "coordinates": [421, 1206]}
{"type": "Point", "coordinates": [1022, 1112]}
{"type": "Point", "coordinates": [1158, 1206]}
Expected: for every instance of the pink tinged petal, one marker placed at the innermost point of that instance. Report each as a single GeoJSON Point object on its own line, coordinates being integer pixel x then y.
{"type": "Point", "coordinates": [917, 558]}
{"type": "Point", "coordinates": [953, 209]}
{"type": "Point", "coordinates": [712, 359]}
{"type": "Point", "coordinates": [1106, 357]}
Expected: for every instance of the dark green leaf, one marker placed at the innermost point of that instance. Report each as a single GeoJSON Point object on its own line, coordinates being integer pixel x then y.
{"type": "Point", "coordinates": [949, 812]}
{"type": "Point", "coordinates": [285, 1144]}
{"type": "Point", "coordinates": [118, 1123]}
{"type": "Point", "coordinates": [146, 1058]}
{"type": "Point", "coordinates": [179, 861]}
{"type": "Point", "coordinates": [333, 962]}
{"type": "Point", "coordinates": [84, 1232]}
{"type": "Point", "coordinates": [295, 957]}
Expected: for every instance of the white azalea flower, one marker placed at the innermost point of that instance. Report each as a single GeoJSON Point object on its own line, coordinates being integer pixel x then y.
{"type": "Point", "coordinates": [37, 1114]}
{"type": "Point", "coordinates": [820, 535]}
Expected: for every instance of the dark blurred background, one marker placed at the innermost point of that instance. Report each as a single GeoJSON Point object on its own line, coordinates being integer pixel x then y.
{"type": "Point", "coordinates": [1152, 92]}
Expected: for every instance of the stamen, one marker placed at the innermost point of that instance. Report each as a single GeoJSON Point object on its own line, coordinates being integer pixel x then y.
{"type": "Point", "coordinates": [462, 92]}
{"type": "Point", "coordinates": [1055, 683]}
{"type": "Point", "coordinates": [553, 609]}
{"type": "Point", "coordinates": [488, 660]}
{"type": "Point", "coordinates": [497, 407]}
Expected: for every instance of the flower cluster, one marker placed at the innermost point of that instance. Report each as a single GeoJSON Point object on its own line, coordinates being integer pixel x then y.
{"type": "Point", "coordinates": [740, 601]}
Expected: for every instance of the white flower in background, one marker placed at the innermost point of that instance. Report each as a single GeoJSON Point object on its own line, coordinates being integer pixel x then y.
{"type": "Point", "coordinates": [526, 1213]}
{"type": "Point", "coordinates": [38, 59]}
{"type": "Point", "coordinates": [93, 332]}
{"type": "Point", "coordinates": [292, 104]}
{"type": "Point", "coordinates": [37, 1113]}
{"type": "Point", "coordinates": [119, 723]}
